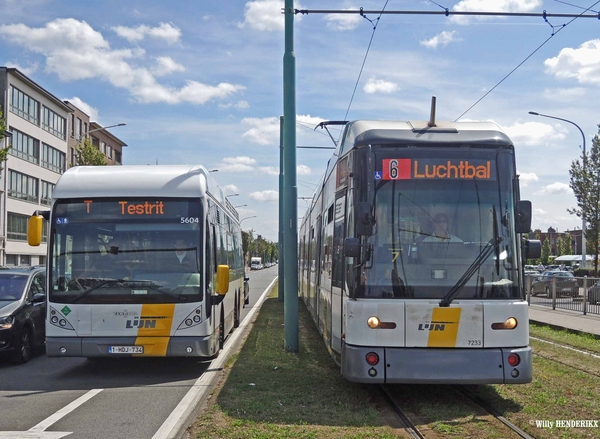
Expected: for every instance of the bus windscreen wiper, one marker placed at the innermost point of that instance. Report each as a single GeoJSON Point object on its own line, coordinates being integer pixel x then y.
{"type": "Point", "coordinates": [478, 262]}
{"type": "Point", "coordinates": [100, 285]}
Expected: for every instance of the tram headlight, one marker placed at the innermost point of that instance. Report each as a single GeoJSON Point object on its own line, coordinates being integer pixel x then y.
{"type": "Point", "coordinates": [373, 322]}
{"type": "Point", "coordinates": [510, 323]}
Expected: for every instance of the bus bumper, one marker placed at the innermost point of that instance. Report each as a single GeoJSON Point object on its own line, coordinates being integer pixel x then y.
{"type": "Point", "coordinates": [436, 366]}
{"type": "Point", "coordinates": [99, 347]}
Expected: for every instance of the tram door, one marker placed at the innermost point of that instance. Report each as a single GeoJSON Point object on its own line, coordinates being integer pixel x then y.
{"type": "Point", "coordinates": [337, 275]}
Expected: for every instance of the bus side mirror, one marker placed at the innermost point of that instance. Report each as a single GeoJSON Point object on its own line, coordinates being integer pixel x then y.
{"type": "Point", "coordinates": [364, 219]}
{"type": "Point", "coordinates": [523, 217]}
{"type": "Point", "coordinates": [35, 226]}
{"type": "Point", "coordinates": [352, 247]}
{"type": "Point", "coordinates": [222, 279]}
{"type": "Point", "coordinates": [533, 249]}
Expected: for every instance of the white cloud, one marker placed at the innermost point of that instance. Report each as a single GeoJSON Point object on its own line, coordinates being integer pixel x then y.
{"type": "Point", "coordinates": [527, 177]}
{"type": "Point", "coordinates": [264, 131]}
{"type": "Point", "coordinates": [166, 65]}
{"type": "Point", "coordinates": [25, 70]}
{"type": "Point", "coordinates": [264, 15]}
{"type": "Point", "coordinates": [86, 108]}
{"type": "Point", "coordinates": [535, 133]}
{"type": "Point", "coordinates": [75, 51]}
{"type": "Point", "coordinates": [240, 105]}
{"type": "Point", "coordinates": [269, 170]}
{"type": "Point", "coordinates": [237, 164]}
{"type": "Point", "coordinates": [303, 170]}
{"type": "Point", "coordinates": [166, 31]}
{"type": "Point", "coordinates": [379, 86]}
{"type": "Point", "coordinates": [491, 6]}
{"type": "Point", "coordinates": [554, 189]}
{"type": "Point", "coordinates": [442, 39]}
{"type": "Point", "coordinates": [343, 22]}
{"type": "Point", "coordinates": [230, 189]}
{"type": "Point", "coordinates": [582, 64]}
{"type": "Point", "coordinates": [269, 195]}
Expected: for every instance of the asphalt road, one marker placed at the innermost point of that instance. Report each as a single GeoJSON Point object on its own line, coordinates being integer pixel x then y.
{"type": "Point", "coordinates": [111, 398]}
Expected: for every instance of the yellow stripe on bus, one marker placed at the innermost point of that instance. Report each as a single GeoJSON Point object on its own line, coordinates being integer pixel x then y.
{"type": "Point", "coordinates": [154, 332]}
{"type": "Point", "coordinates": [444, 330]}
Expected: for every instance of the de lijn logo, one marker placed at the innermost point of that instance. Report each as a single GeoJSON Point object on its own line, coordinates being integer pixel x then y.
{"type": "Point", "coordinates": [142, 322]}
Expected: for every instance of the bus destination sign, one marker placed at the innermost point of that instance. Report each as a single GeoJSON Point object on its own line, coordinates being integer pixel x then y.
{"type": "Point", "coordinates": [436, 169]}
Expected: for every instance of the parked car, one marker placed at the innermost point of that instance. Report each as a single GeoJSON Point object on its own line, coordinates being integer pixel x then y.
{"type": "Point", "coordinates": [22, 312]}
{"type": "Point", "coordinates": [566, 284]}
{"type": "Point", "coordinates": [594, 294]}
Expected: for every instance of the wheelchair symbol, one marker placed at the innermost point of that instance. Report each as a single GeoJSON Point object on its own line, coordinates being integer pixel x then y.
{"type": "Point", "coordinates": [378, 175]}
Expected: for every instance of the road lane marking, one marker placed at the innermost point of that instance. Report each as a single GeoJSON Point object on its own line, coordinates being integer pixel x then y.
{"type": "Point", "coordinates": [64, 411]}
{"type": "Point", "coordinates": [37, 431]}
{"type": "Point", "coordinates": [197, 392]}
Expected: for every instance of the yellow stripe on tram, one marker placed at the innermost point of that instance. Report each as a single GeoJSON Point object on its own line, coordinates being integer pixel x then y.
{"type": "Point", "coordinates": [444, 330]}
{"type": "Point", "coordinates": [154, 332]}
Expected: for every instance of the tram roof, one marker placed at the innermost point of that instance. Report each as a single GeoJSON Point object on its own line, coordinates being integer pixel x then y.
{"type": "Point", "coordinates": [137, 181]}
{"type": "Point", "coordinates": [364, 132]}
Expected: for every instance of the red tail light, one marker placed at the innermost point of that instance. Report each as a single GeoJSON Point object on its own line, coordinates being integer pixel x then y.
{"type": "Point", "coordinates": [514, 359]}
{"type": "Point", "coordinates": [372, 358]}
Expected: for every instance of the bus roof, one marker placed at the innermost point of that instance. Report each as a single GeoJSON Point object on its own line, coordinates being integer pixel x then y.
{"type": "Point", "coordinates": [137, 181]}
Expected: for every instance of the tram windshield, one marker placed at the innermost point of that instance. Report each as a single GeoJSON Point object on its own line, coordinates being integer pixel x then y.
{"type": "Point", "coordinates": [443, 224]}
{"type": "Point", "coordinates": [126, 251]}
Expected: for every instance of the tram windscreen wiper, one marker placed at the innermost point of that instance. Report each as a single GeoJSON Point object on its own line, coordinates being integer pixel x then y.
{"type": "Point", "coordinates": [489, 248]}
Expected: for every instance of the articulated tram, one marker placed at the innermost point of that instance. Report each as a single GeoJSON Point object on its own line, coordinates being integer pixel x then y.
{"type": "Point", "coordinates": [411, 254]}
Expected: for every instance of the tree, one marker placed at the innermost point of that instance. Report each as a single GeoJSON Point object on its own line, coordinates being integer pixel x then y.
{"type": "Point", "coordinates": [567, 243]}
{"type": "Point", "coordinates": [3, 151]}
{"type": "Point", "coordinates": [87, 154]}
{"type": "Point", "coordinates": [559, 246]}
{"type": "Point", "coordinates": [585, 183]}
{"type": "Point", "coordinates": [545, 251]}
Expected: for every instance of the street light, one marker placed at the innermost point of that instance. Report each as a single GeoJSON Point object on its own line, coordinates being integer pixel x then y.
{"type": "Point", "coordinates": [232, 195]}
{"type": "Point", "coordinates": [102, 128]}
{"type": "Point", "coordinates": [213, 170]}
{"type": "Point", "coordinates": [248, 217]}
{"type": "Point", "coordinates": [583, 225]}
{"type": "Point", "coordinates": [241, 205]}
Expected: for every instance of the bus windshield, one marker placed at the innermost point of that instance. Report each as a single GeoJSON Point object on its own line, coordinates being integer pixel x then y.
{"type": "Point", "coordinates": [126, 251]}
{"type": "Point", "coordinates": [443, 224]}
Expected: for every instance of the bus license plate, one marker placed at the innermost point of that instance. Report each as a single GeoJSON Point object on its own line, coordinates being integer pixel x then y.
{"type": "Point", "coordinates": [126, 349]}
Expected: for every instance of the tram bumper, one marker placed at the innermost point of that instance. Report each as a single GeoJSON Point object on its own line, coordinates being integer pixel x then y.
{"type": "Point", "coordinates": [436, 366]}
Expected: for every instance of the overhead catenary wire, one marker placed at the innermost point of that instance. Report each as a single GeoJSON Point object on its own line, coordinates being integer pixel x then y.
{"type": "Point", "coordinates": [376, 21]}
{"type": "Point", "coordinates": [527, 58]}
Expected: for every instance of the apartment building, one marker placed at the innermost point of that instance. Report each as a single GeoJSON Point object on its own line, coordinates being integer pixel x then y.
{"type": "Point", "coordinates": [41, 130]}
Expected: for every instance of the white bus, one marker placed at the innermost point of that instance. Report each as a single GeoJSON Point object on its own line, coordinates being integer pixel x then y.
{"type": "Point", "coordinates": [142, 261]}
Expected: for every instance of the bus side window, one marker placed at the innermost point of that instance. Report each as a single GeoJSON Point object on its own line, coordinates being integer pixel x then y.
{"type": "Point", "coordinates": [208, 268]}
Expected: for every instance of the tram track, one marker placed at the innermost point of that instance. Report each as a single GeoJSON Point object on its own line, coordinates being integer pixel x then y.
{"type": "Point", "coordinates": [483, 405]}
{"type": "Point", "coordinates": [567, 347]}
{"type": "Point", "coordinates": [462, 396]}
{"type": "Point", "coordinates": [409, 426]}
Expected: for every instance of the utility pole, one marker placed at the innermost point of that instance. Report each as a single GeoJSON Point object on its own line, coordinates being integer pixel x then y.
{"type": "Point", "coordinates": [290, 193]}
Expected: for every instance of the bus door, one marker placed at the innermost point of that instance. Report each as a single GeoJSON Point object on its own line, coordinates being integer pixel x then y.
{"type": "Point", "coordinates": [337, 272]}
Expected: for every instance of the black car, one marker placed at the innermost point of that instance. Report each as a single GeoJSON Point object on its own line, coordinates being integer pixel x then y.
{"type": "Point", "coordinates": [22, 312]}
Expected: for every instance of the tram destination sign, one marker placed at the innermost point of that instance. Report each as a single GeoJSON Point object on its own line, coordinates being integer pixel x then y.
{"type": "Point", "coordinates": [435, 169]}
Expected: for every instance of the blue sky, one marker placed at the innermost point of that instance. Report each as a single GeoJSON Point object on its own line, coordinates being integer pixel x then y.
{"type": "Point", "coordinates": [201, 82]}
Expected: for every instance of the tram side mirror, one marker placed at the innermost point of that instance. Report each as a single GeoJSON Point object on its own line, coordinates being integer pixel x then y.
{"type": "Point", "coordinates": [523, 218]}
{"type": "Point", "coordinates": [364, 219]}
{"type": "Point", "coordinates": [352, 247]}
{"type": "Point", "coordinates": [533, 249]}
